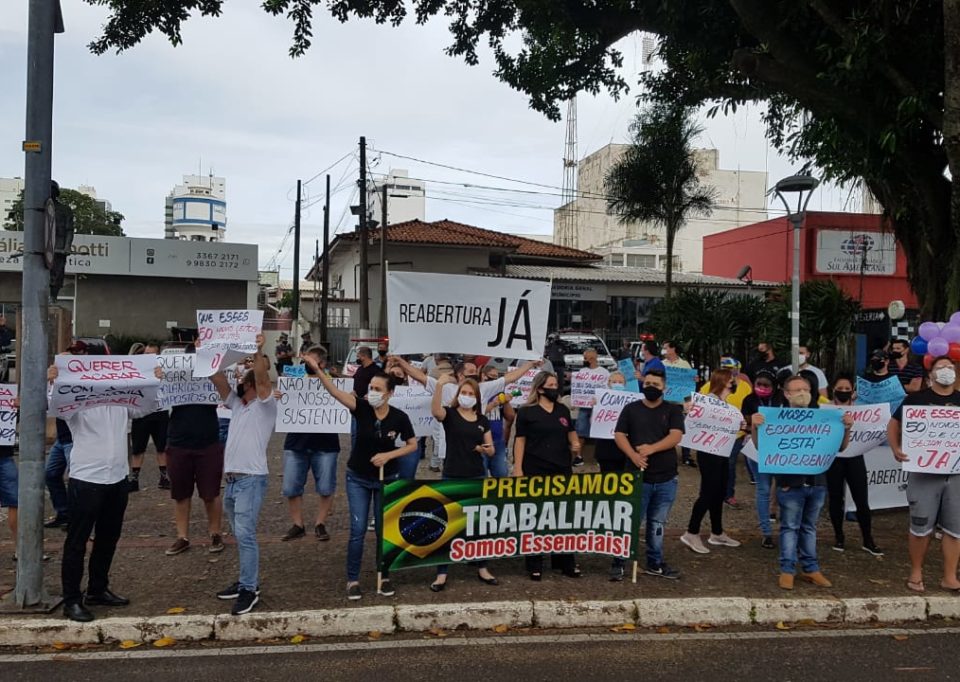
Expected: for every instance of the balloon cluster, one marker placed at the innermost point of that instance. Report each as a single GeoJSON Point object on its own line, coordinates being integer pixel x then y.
{"type": "Point", "coordinates": [938, 338]}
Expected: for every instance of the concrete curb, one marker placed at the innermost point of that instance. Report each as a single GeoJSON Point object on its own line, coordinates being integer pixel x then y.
{"type": "Point", "coordinates": [477, 616]}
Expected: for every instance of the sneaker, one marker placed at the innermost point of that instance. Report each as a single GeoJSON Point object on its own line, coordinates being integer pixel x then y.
{"type": "Point", "coordinates": [773, 516]}
{"type": "Point", "coordinates": [817, 578]}
{"type": "Point", "coordinates": [616, 573]}
{"type": "Point", "coordinates": [767, 542]}
{"type": "Point", "coordinates": [246, 600]}
{"type": "Point", "coordinates": [58, 521]}
{"type": "Point", "coordinates": [294, 533]}
{"type": "Point", "coordinates": [663, 571]}
{"type": "Point", "coordinates": [233, 592]}
{"type": "Point", "coordinates": [320, 531]}
{"type": "Point", "coordinates": [871, 548]}
{"type": "Point", "coordinates": [694, 542]}
{"type": "Point", "coordinates": [164, 483]}
{"type": "Point", "coordinates": [785, 581]}
{"type": "Point", "coordinates": [753, 481]}
{"type": "Point", "coordinates": [722, 540]}
{"type": "Point", "coordinates": [839, 546]}
{"type": "Point", "coordinates": [732, 503]}
{"type": "Point", "coordinates": [353, 592]}
{"type": "Point", "coordinates": [216, 544]}
{"type": "Point", "coordinates": [578, 461]}
{"type": "Point", "coordinates": [690, 463]}
{"type": "Point", "coordinates": [180, 546]}
{"type": "Point", "coordinates": [372, 526]}
{"type": "Point", "coordinates": [386, 588]}
{"type": "Point", "coordinates": [133, 485]}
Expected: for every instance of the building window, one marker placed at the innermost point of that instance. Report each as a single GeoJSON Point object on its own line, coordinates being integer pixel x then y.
{"type": "Point", "coordinates": [641, 260]}
{"type": "Point", "coordinates": [615, 259]}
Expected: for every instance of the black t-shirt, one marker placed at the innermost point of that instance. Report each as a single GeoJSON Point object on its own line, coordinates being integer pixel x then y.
{"type": "Point", "coordinates": [752, 404]}
{"type": "Point", "coordinates": [375, 436]}
{"type": "Point", "coordinates": [462, 460]}
{"type": "Point", "coordinates": [63, 432]}
{"type": "Point", "coordinates": [928, 397]}
{"type": "Point", "coordinates": [874, 378]}
{"type": "Point", "coordinates": [645, 425]}
{"type": "Point", "coordinates": [193, 426]}
{"type": "Point", "coordinates": [607, 451]}
{"type": "Point", "coordinates": [771, 366]}
{"type": "Point", "coordinates": [6, 451]}
{"type": "Point", "coordinates": [547, 445]}
{"type": "Point", "coordinates": [158, 416]}
{"type": "Point", "coordinates": [317, 442]}
{"type": "Point", "coordinates": [362, 377]}
{"type": "Point", "coordinates": [907, 373]}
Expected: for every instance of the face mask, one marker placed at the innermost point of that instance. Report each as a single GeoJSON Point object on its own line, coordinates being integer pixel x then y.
{"type": "Point", "coordinates": [381, 353]}
{"type": "Point", "coordinates": [895, 355]}
{"type": "Point", "coordinates": [877, 364]}
{"type": "Point", "coordinates": [732, 387]}
{"type": "Point", "coordinates": [652, 393]}
{"type": "Point", "coordinates": [375, 398]}
{"type": "Point", "coordinates": [663, 352]}
{"type": "Point", "coordinates": [803, 359]}
{"type": "Point", "coordinates": [467, 401]}
{"type": "Point", "coordinates": [763, 391]}
{"type": "Point", "coordinates": [945, 376]}
{"type": "Point", "coordinates": [800, 399]}
{"type": "Point", "coordinates": [551, 394]}
{"type": "Point", "coordinates": [617, 387]}
{"type": "Point", "coordinates": [843, 396]}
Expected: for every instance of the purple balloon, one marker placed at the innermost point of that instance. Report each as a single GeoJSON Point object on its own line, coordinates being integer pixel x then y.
{"type": "Point", "coordinates": [939, 346]}
{"type": "Point", "coordinates": [951, 333]}
{"type": "Point", "coordinates": [929, 331]}
{"type": "Point", "coordinates": [955, 318]}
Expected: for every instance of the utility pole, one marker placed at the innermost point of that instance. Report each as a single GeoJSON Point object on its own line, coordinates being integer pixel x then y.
{"type": "Point", "coordinates": [45, 19]}
{"type": "Point", "coordinates": [326, 266]}
{"type": "Point", "coordinates": [296, 268]}
{"type": "Point", "coordinates": [383, 262]}
{"type": "Point", "coordinates": [364, 273]}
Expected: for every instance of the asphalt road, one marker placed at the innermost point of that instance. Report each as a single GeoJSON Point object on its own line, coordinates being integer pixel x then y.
{"type": "Point", "coordinates": [848, 655]}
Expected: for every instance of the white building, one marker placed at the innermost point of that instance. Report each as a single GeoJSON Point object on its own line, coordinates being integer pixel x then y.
{"type": "Point", "coordinates": [197, 209]}
{"type": "Point", "coordinates": [406, 198]}
{"type": "Point", "coordinates": [10, 189]}
{"type": "Point", "coordinates": [91, 192]}
{"type": "Point", "coordinates": [637, 253]}
{"type": "Point", "coordinates": [741, 200]}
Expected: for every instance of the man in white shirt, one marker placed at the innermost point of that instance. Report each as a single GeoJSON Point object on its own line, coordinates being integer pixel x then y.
{"type": "Point", "coordinates": [805, 365]}
{"type": "Point", "coordinates": [253, 415]}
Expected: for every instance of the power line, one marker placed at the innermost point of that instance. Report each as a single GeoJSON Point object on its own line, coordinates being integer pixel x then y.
{"type": "Point", "coordinates": [331, 166]}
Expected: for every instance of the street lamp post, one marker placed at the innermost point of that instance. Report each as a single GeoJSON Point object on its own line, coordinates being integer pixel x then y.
{"type": "Point", "coordinates": [796, 184]}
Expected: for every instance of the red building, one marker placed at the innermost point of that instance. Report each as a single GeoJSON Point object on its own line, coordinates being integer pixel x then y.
{"type": "Point", "coordinates": [857, 251]}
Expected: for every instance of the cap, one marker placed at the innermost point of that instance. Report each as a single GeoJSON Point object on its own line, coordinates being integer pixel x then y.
{"type": "Point", "coordinates": [879, 353]}
{"type": "Point", "coordinates": [77, 347]}
{"type": "Point", "coordinates": [730, 363]}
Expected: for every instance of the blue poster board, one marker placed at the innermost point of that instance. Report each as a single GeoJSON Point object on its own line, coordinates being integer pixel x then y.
{"type": "Point", "coordinates": [802, 441]}
{"type": "Point", "coordinates": [889, 391]}
{"type": "Point", "coordinates": [295, 370]}
{"type": "Point", "coordinates": [627, 370]}
{"type": "Point", "coordinates": [681, 382]}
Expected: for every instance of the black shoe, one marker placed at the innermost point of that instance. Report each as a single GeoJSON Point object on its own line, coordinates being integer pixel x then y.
{"type": "Point", "coordinates": [354, 593]}
{"type": "Point", "coordinates": [386, 588]}
{"type": "Point", "coordinates": [294, 533]}
{"type": "Point", "coordinates": [663, 571]}
{"type": "Point", "coordinates": [57, 521]}
{"type": "Point", "coordinates": [488, 581]}
{"type": "Point", "coordinates": [78, 612]}
{"type": "Point", "coordinates": [246, 600]}
{"type": "Point", "coordinates": [871, 548]}
{"type": "Point", "coordinates": [438, 587]}
{"type": "Point", "coordinates": [578, 461]}
{"type": "Point", "coordinates": [616, 573]}
{"type": "Point", "coordinates": [106, 598]}
{"type": "Point", "coordinates": [133, 485]}
{"type": "Point", "coordinates": [767, 542]}
{"type": "Point", "coordinates": [164, 483]}
{"type": "Point", "coordinates": [839, 545]}
{"type": "Point", "coordinates": [232, 592]}
{"type": "Point", "coordinates": [320, 531]}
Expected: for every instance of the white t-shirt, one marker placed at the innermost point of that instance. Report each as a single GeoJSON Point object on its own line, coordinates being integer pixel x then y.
{"type": "Point", "coordinates": [488, 389]}
{"type": "Point", "coordinates": [821, 377]}
{"type": "Point", "coordinates": [251, 426]}
{"type": "Point", "coordinates": [99, 452]}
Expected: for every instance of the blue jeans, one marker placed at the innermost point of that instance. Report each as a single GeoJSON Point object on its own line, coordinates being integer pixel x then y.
{"type": "Point", "coordinates": [496, 466]}
{"type": "Point", "coordinates": [732, 475]}
{"type": "Point", "coordinates": [242, 499]}
{"type": "Point", "coordinates": [9, 483]}
{"type": "Point", "coordinates": [296, 465]}
{"type": "Point", "coordinates": [583, 422]}
{"type": "Point", "coordinates": [655, 506]}
{"type": "Point", "coordinates": [407, 465]}
{"type": "Point", "coordinates": [764, 483]}
{"type": "Point", "coordinates": [799, 510]}
{"type": "Point", "coordinates": [58, 461]}
{"type": "Point", "coordinates": [362, 494]}
{"type": "Point", "coordinates": [224, 429]}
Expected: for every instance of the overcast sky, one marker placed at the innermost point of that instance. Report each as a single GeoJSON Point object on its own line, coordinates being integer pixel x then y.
{"type": "Point", "coordinates": [231, 100]}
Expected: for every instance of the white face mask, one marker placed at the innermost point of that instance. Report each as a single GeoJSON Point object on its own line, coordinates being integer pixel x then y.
{"type": "Point", "coordinates": [803, 359]}
{"type": "Point", "coordinates": [617, 386]}
{"type": "Point", "coordinates": [467, 401]}
{"type": "Point", "coordinates": [375, 398]}
{"type": "Point", "coordinates": [945, 376]}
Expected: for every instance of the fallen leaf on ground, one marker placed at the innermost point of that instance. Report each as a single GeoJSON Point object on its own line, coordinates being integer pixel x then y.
{"type": "Point", "coordinates": [60, 646]}
{"type": "Point", "coordinates": [164, 642]}
{"type": "Point", "coordinates": [438, 632]}
{"type": "Point", "coordinates": [663, 630]}
{"type": "Point", "coordinates": [374, 634]}
{"type": "Point", "coordinates": [702, 627]}
{"type": "Point", "coordinates": [175, 610]}
{"type": "Point", "coordinates": [500, 629]}
{"type": "Point", "coordinates": [129, 644]}
{"type": "Point", "coordinates": [901, 638]}
{"type": "Point", "coordinates": [297, 639]}
{"type": "Point", "coordinates": [807, 622]}
{"type": "Point", "coordinates": [875, 581]}
{"type": "Point", "coordinates": [783, 626]}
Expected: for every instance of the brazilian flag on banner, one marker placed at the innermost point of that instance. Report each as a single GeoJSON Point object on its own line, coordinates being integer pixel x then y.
{"type": "Point", "coordinates": [426, 523]}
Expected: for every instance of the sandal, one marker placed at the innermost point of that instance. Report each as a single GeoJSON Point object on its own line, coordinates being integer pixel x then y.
{"type": "Point", "coordinates": [954, 590]}
{"type": "Point", "coordinates": [536, 576]}
{"type": "Point", "coordinates": [916, 586]}
{"type": "Point", "coordinates": [573, 572]}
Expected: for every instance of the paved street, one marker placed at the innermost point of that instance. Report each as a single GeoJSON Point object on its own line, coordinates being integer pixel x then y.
{"type": "Point", "coordinates": [850, 655]}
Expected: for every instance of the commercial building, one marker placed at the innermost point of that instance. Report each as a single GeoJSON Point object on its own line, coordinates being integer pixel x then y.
{"type": "Point", "coordinates": [406, 198]}
{"type": "Point", "coordinates": [197, 209]}
{"type": "Point", "coordinates": [10, 189]}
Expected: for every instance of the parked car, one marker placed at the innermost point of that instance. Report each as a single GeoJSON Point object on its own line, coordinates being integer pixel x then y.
{"type": "Point", "coordinates": [573, 344]}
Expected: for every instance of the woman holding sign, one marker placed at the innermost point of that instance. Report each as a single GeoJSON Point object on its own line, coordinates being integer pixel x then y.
{"type": "Point", "coordinates": [380, 428]}
{"type": "Point", "coordinates": [608, 454]}
{"type": "Point", "coordinates": [546, 443]}
{"type": "Point", "coordinates": [469, 442]}
{"type": "Point", "coordinates": [714, 472]}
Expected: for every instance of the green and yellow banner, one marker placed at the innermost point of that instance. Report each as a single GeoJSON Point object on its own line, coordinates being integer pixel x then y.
{"type": "Point", "coordinates": [426, 523]}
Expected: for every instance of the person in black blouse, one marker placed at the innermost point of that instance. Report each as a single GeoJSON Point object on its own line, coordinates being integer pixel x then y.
{"type": "Point", "coordinates": [546, 443]}
{"type": "Point", "coordinates": [469, 442]}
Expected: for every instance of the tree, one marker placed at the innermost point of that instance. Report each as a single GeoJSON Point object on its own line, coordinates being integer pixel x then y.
{"type": "Point", "coordinates": [89, 215]}
{"type": "Point", "coordinates": [867, 89]}
{"type": "Point", "coordinates": [656, 181]}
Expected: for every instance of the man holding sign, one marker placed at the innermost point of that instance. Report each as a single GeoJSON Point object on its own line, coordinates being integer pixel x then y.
{"type": "Point", "coordinates": [924, 435]}
{"type": "Point", "coordinates": [226, 337]}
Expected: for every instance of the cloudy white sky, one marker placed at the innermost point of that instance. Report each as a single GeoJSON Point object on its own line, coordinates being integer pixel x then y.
{"type": "Point", "coordinates": [231, 100]}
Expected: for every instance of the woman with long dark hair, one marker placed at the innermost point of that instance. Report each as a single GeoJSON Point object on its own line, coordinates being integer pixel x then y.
{"type": "Point", "coordinates": [766, 393]}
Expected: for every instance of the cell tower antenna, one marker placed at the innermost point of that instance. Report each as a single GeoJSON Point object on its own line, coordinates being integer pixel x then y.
{"type": "Point", "coordinates": [567, 229]}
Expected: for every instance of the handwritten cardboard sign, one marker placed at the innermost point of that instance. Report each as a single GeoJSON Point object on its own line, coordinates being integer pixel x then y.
{"type": "Point", "coordinates": [519, 391]}
{"type": "Point", "coordinates": [8, 414]}
{"type": "Point", "coordinates": [225, 336]}
{"type": "Point", "coordinates": [931, 439]}
{"type": "Point", "coordinates": [711, 425]}
{"type": "Point", "coordinates": [802, 441]}
{"type": "Point", "coordinates": [888, 391]}
{"type": "Point", "coordinates": [606, 412]}
{"type": "Point", "coordinates": [681, 382]}
{"type": "Point", "coordinates": [584, 384]}
{"type": "Point", "coordinates": [416, 400]}
{"type": "Point", "coordinates": [628, 370]}
{"type": "Point", "coordinates": [96, 381]}
{"type": "Point", "coordinates": [294, 370]}
{"type": "Point", "coordinates": [179, 387]}
{"type": "Point", "coordinates": [869, 428]}
{"type": "Point", "coordinates": [305, 406]}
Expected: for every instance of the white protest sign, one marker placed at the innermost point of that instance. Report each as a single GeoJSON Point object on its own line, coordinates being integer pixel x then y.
{"type": "Point", "coordinates": [8, 414]}
{"type": "Point", "coordinates": [931, 439]}
{"type": "Point", "coordinates": [225, 336]}
{"type": "Point", "coordinates": [607, 411]}
{"type": "Point", "coordinates": [749, 450]}
{"type": "Point", "coordinates": [519, 391]}
{"type": "Point", "coordinates": [493, 316]}
{"type": "Point", "coordinates": [305, 406]}
{"type": "Point", "coordinates": [415, 401]}
{"type": "Point", "coordinates": [869, 428]}
{"type": "Point", "coordinates": [584, 384]}
{"type": "Point", "coordinates": [711, 425]}
{"type": "Point", "coordinates": [179, 387]}
{"type": "Point", "coordinates": [96, 381]}
{"type": "Point", "coordinates": [886, 480]}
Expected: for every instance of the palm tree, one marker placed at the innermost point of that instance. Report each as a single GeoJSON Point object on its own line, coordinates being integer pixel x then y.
{"type": "Point", "coordinates": [656, 181]}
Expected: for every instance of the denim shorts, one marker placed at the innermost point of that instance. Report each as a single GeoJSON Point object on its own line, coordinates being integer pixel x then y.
{"type": "Point", "coordinates": [296, 464]}
{"type": "Point", "coordinates": [8, 482]}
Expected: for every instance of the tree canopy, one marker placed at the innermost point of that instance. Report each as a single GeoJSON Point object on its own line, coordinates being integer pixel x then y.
{"type": "Point", "coordinates": [89, 215]}
{"type": "Point", "coordinates": [866, 89]}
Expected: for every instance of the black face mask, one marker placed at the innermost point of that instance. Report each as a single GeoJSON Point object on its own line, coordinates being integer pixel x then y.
{"type": "Point", "coordinates": [895, 355]}
{"type": "Point", "coordinates": [877, 364]}
{"type": "Point", "coordinates": [381, 353]}
{"type": "Point", "coordinates": [843, 396]}
{"type": "Point", "coordinates": [551, 394]}
{"type": "Point", "coordinates": [652, 393]}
